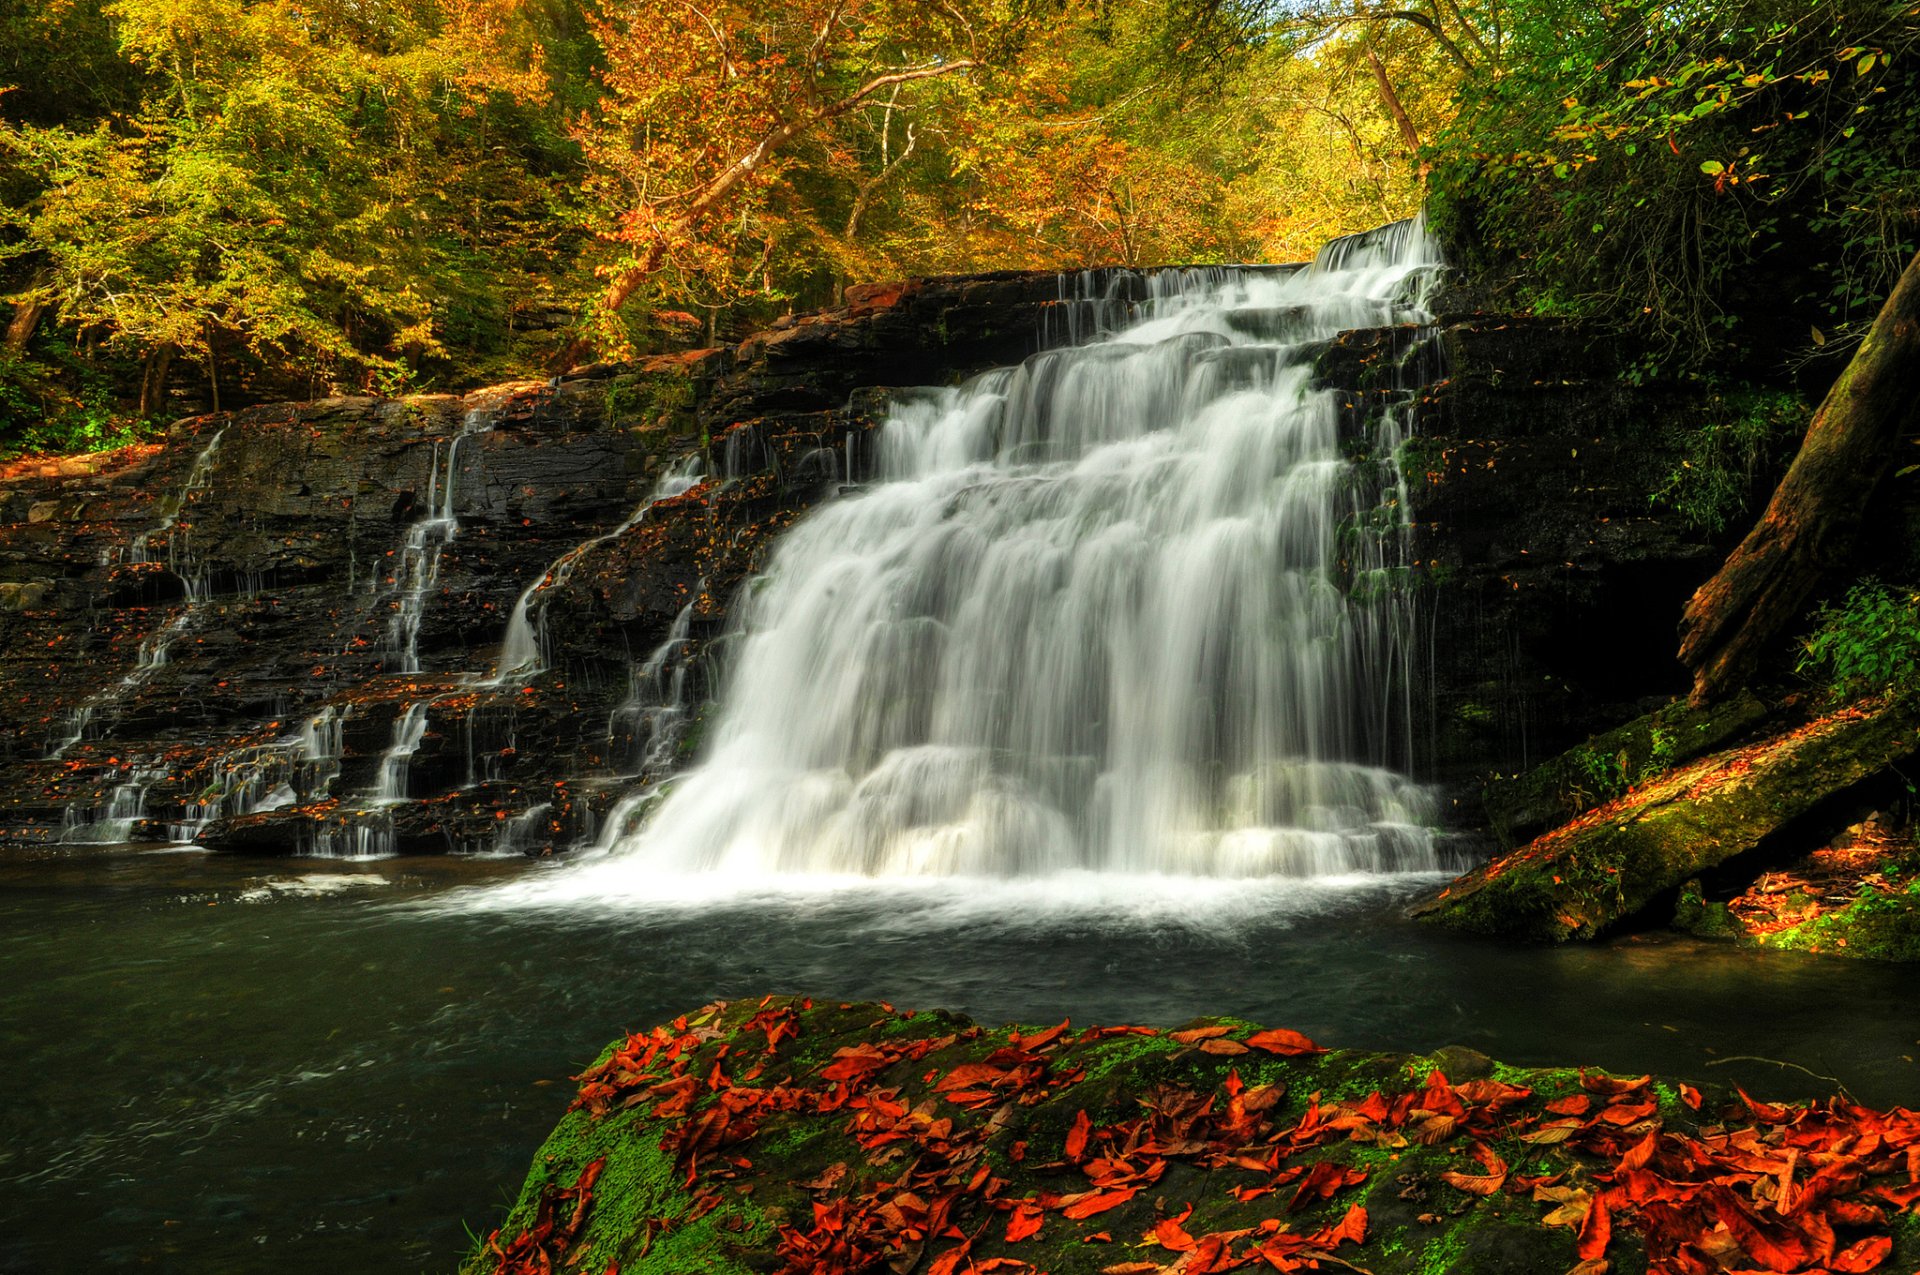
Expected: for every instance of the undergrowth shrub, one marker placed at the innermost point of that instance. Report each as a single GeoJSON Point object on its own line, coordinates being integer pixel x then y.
{"type": "Point", "coordinates": [1867, 641]}
{"type": "Point", "coordinates": [1727, 461]}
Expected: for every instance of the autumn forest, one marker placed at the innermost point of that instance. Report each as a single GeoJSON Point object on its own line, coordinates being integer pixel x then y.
{"type": "Point", "coordinates": [211, 202]}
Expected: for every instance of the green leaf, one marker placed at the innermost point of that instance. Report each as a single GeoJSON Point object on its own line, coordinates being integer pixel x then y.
{"type": "Point", "coordinates": [1712, 167]}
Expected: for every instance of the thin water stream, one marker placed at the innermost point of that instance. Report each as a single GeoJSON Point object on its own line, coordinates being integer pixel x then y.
{"type": "Point", "coordinates": [225, 1066]}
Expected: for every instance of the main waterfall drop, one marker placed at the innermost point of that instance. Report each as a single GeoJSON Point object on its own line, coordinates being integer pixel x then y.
{"type": "Point", "coordinates": [1127, 607]}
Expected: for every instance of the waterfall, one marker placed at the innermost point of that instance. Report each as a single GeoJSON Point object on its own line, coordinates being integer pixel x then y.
{"type": "Point", "coordinates": [395, 764]}
{"type": "Point", "coordinates": [299, 767]}
{"type": "Point", "coordinates": [426, 540]}
{"type": "Point", "coordinates": [154, 648]}
{"type": "Point", "coordinates": [1128, 607]}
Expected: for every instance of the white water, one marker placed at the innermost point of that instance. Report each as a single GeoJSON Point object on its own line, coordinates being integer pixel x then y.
{"type": "Point", "coordinates": [1119, 610]}
{"type": "Point", "coordinates": [427, 539]}
{"type": "Point", "coordinates": [524, 651]}
{"type": "Point", "coordinates": [396, 763]}
{"type": "Point", "coordinates": [300, 766]}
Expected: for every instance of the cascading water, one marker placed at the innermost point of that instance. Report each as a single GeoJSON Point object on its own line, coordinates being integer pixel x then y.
{"type": "Point", "coordinates": [523, 651]}
{"type": "Point", "coordinates": [426, 540]}
{"type": "Point", "coordinates": [1120, 609]}
{"type": "Point", "coordinates": [397, 762]}
{"type": "Point", "coordinates": [649, 723]}
{"type": "Point", "coordinates": [301, 766]}
{"type": "Point", "coordinates": [180, 561]}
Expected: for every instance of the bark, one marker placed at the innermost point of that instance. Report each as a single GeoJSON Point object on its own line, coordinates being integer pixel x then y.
{"type": "Point", "coordinates": [872, 187]}
{"type": "Point", "coordinates": [153, 379]}
{"type": "Point", "coordinates": [1408, 133]}
{"type": "Point", "coordinates": [1586, 877]}
{"type": "Point", "coordinates": [26, 318]}
{"type": "Point", "coordinates": [1810, 524]}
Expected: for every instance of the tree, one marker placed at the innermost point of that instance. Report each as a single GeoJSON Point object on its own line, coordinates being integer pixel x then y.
{"type": "Point", "coordinates": [705, 100]}
{"type": "Point", "coordinates": [1810, 523]}
{"type": "Point", "coordinates": [294, 192]}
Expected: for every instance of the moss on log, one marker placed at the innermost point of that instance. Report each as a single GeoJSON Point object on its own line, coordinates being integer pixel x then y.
{"type": "Point", "coordinates": [786, 1136]}
{"type": "Point", "coordinates": [1580, 879]}
{"type": "Point", "coordinates": [1524, 806]}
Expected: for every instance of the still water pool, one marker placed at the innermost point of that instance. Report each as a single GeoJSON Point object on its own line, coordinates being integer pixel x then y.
{"type": "Point", "coordinates": [220, 1066]}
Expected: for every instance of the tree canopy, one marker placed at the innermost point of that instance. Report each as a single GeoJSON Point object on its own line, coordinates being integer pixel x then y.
{"type": "Point", "coordinates": [204, 202]}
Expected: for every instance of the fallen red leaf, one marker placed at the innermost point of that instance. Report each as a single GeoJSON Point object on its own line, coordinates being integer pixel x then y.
{"type": "Point", "coordinates": [1599, 1082]}
{"type": "Point", "coordinates": [1098, 1202]}
{"type": "Point", "coordinates": [1596, 1232]}
{"type": "Point", "coordinates": [1193, 1035]}
{"type": "Point", "coordinates": [1169, 1234]}
{"type": "Point", "coordinates": [1287, 1044]}
{"type": "Point", "coordinates": [1077, 1137]}
{"type": "Point", "coordinates": [1322, 1182]}
{"type": "Point", "coordinates": [1864, 1256]}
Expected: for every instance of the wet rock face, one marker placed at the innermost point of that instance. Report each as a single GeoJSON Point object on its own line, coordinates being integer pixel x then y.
{"type": "Point", "coordinates": [234, 639]}
{"type": "Point", "coordinates": [1551, 586]}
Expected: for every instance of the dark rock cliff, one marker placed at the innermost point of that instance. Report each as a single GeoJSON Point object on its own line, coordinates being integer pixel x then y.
{"type": "Point", "coordinates": [211, 637]}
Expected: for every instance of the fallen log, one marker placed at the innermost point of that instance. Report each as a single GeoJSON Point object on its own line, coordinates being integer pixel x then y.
{"type": "Point", "coordinates": [1582, 878]}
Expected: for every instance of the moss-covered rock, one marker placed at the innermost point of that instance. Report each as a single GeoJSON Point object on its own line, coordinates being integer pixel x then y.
{"type": "Point", "coordinates": [784, 1135]}
{"type": "Point", "coordinates": [1584, 877]}
{"type": "Point", "coordinates": [1881, 924]}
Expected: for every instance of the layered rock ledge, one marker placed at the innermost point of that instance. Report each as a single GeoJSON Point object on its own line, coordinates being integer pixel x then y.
{"type": "Point", "coordinates": [281, 631]}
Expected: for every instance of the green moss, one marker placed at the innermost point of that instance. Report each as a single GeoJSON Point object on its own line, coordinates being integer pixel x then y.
{"type": "Point", "coordinates": [1879, 925]}
{"type": "Point", "coordinates": [1695, 915]}
{"type": "Point", "coordinates": [638, 1202]}
{"type": "Point", "coordinates": [652, 400]}
{"type": "Point", "coordinates": [1416, 1222]}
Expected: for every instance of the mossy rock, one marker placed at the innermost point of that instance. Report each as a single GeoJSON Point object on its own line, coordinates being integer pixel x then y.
{"type": "Point", "coordinates": [1879, 925]}
{"type": "Point", "coordinates": [1583, 878]}
{"type": "Point", "coordinates": [785, 1135]}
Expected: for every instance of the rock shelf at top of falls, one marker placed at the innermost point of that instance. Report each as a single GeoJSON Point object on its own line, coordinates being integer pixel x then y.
{"type": "Point", "coordinates": [304, 705]}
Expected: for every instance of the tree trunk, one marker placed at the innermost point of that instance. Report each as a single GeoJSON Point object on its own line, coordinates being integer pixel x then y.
{"type": "Point", "coordinates": [1810, 523]}
{"type": "Point", "coordinates": [153, 379]}
{"type": "Point", "coordinates": [1408, 133]}
{"type": "Point", "coordinates": [26, 317]}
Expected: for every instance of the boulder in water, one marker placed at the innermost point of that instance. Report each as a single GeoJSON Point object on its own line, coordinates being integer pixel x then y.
{"type": "Point", "coordinates": [787, 1135]}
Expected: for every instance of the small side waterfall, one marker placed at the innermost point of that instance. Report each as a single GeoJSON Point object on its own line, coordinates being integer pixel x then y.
{"type": "Point", "coordinates": [154, 648]}
{"type": "Point", "coordinates": [299, 767]}
{"type": "Point", "coordinates": [1130, 606]}
{"type": "Point", "coordinates": [427, 539]}
{"type": "Point", "coordinates": [524, 650]}
{"type": "Point", "coordinates": [408, 730]}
